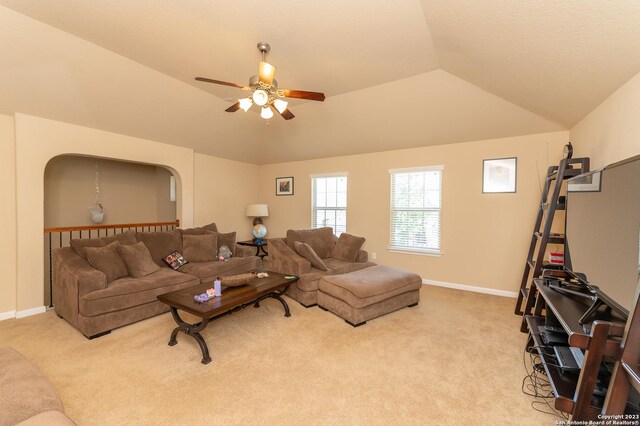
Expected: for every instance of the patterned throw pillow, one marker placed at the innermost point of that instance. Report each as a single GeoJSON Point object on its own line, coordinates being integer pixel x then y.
{"type": "Point", "coordinates": [175, 260]}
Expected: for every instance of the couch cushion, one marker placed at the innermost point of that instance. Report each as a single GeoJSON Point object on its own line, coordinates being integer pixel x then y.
{"type": "Point", "coordinates": [211, 227]}
{"type": "Point", "coordinates": [321, 240]}
{"type": "Point", "coordinates": [79, 244]}
{"type": "Point", "coordinates": [310, 281]}
{"type": "Point", "coordinates": [370, 285]}
{"type": "Point", "coordinates": [138, 260]}
{"type": "Point", "coordinates": [209, 271]}
{"type": "Point", "coordinates": [225, 239]}
{"type": "Point", "coordinates": [129, 292]}
{"type": "Point", "coordinates": [347, 247]}
{"type": "Point", "coordinates": [160, 244]}
{"type": "Point", "coordinates": [192, 231]}
{"type": "Point", "coordinates": [337, 266]}
{"type": "Point", "coordinates": [305, 250]}
{"type": "Point", "coordinates": [25, 390]}
{"type": "Point", "coordinates": [198, 230]}
{"type": "Point", "coordinates": [108, 260]}
{"type": "Point", "coordinates": [200, 248]}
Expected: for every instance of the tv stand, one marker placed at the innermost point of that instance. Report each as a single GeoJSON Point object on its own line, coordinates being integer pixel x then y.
{"type": "Point", "coordinates": [575, 394]}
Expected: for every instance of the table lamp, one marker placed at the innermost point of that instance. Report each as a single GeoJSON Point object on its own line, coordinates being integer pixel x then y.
{"type": "Point", "coordinates": [258, 211]}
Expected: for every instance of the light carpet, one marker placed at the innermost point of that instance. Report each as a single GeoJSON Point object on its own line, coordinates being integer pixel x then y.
{"type": "Point", "coordinates": [454, 359]}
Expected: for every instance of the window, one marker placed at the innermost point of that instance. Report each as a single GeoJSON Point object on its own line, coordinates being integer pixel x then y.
{"type": "Point", "coordinates": [416, 203]}
{"type": "Point", "coordinates": [329, 202]}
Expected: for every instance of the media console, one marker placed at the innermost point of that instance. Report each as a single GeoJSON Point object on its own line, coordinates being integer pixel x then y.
{"type": "Point", "coordinates": [575, 394]}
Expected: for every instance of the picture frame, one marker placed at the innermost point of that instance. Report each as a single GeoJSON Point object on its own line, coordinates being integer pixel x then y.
{"type": "Point", "coordinates": [499, 175]}
{"type": "Point", "coordinates": [284, 185]}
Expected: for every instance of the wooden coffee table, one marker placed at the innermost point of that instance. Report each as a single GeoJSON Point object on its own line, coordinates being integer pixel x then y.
{"type": "Point", "coordinates": [233, 299]}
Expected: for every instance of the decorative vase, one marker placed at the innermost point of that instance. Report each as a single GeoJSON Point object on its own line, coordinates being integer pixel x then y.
{"type": "Point", "coordinates": [97, 213]}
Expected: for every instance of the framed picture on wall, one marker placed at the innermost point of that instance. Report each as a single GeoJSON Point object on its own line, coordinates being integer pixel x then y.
{"type": "Point", "coordinates": [284, 185]}
{"type": "Point", "coordinates": [499, 175]}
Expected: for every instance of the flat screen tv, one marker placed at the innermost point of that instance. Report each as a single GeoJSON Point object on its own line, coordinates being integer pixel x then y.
{"type": "Point", "coordinates": [603, 232]}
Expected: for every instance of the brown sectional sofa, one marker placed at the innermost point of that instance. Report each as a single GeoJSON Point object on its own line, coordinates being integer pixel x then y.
{"type": "Point", "coordinates": [284, 259]}
{"type": "Point", "coordinates": [83, 296]}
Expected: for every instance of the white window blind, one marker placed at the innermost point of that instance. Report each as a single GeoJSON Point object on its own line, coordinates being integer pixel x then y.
{"type": "Point", "coordinates": [416, 203]}
{"type": "Point", "coordinates": [329, 202]}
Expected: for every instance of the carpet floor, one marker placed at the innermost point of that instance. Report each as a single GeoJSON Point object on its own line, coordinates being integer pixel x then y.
{"type": "Point", "coordinates": [454, 359]}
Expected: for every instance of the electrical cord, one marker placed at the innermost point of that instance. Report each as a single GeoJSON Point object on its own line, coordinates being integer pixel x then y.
{"type": "Point", "coordinates": [536, 384]}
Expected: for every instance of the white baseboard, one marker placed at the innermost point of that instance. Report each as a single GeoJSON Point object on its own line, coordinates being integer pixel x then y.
{"type": "Point", "coordinates": [7, 315]}
{"type": "Point", "coordinates": [475, 289]}
{"type": "Point", "coordinates": [32, 311]}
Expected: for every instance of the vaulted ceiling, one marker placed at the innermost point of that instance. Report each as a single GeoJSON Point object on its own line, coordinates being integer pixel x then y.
{"type": "Point", "coordinates": [396, 74]}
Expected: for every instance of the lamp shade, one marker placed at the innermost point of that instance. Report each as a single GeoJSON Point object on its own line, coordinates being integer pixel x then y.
{"type": "Point", "coordinates": [257, 210]}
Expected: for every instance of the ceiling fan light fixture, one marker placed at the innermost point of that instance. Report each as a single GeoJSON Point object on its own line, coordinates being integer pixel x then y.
{"type": "Point", "coordinates": [245, 103]}
{"type": "Point", "coordinates": [266, 112]}
{"type": "Point", "coordinates": [260, 97]}
{"type": "Point", "coordinates": [280, 105]}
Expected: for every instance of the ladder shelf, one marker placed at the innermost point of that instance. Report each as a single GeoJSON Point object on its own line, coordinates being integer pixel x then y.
{"type": "Point", "coordinates": [550, 202]}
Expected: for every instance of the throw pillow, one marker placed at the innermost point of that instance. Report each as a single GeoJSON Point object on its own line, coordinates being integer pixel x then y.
{"type": "Point", "coordinates": [175, 260]}
{"type": "Point", "coordinates": [138, 260]}
{"type": "Point", "coordinates": [305, 250]}
{"type": "Point", "coordinates": [160, 243]}
{"type": "Point", "coordinates": [321, 240]}
{"type": "Point", "coordinates": [228, 239]}
{"type": "Point", "coordinates": [347, 247]}
{"type": "Point", "coordinates": [80, 244]}
{"type": "Point", "coordinates": [200, 248]}
{"type": "Point", "coordinates": [107, 260]}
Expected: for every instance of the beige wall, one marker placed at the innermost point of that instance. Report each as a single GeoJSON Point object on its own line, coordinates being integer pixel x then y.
{"type": "Point", "coordinates": [7, 215]}
{"type": "Point", "coordinates": [37, 142]}
{"type": "Point", "coordinates": [223, 188]}
{"type": "Point", "coordinates": [482, 234]}
{"type": "Point", "coordinates": [129, 192]}
{"type": "Point", "coordinates": [485, 237]}
{"type": "Point", "coordinates": [611, 132]}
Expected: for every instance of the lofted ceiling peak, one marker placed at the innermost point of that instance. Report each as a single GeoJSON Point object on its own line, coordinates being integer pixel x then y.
{"type": "Point", "coordinates": [397, 75]}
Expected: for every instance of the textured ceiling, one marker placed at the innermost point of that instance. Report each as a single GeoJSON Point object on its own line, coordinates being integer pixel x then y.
{"type": "Point", "coordinates": [519, 67]}
{"type": "Point", "coordinates": [332, 46]}
{"type": "Point", "coordinates": [559, 59]}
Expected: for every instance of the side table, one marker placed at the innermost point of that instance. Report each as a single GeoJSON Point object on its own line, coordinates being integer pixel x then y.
{"type": "Point", "coordinates": [259, 247]}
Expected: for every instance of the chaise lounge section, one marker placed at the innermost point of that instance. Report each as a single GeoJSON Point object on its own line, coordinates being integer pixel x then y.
{"type": "Point", "coordinates": [335, 274]}
{"type": "Point", "coordinates": [286, 260]}
{"type": "Point", "coordinates": [369, 293]}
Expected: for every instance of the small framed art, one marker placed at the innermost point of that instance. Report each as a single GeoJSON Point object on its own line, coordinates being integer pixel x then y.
{"type": "Point", "coordinates": [284, 185]}
{"type": "Point", "coordinates": [499, 175]}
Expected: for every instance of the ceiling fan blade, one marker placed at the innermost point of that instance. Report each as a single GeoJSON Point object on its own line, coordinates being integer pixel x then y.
{"type": "Point", "coordinates": [266, 72]}
{"type": "Point", "coordinates": [301, 94]}
{"type": "Point", "coordinates": [234, 107]}
{"type": "Point", "coordinates": [224, 83]}
{"type": "Point", "coordinates": [286, 114]}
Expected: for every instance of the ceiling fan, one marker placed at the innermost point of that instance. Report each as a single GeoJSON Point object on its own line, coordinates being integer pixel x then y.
{"type": "Point", "coordinates": [265, 91]}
